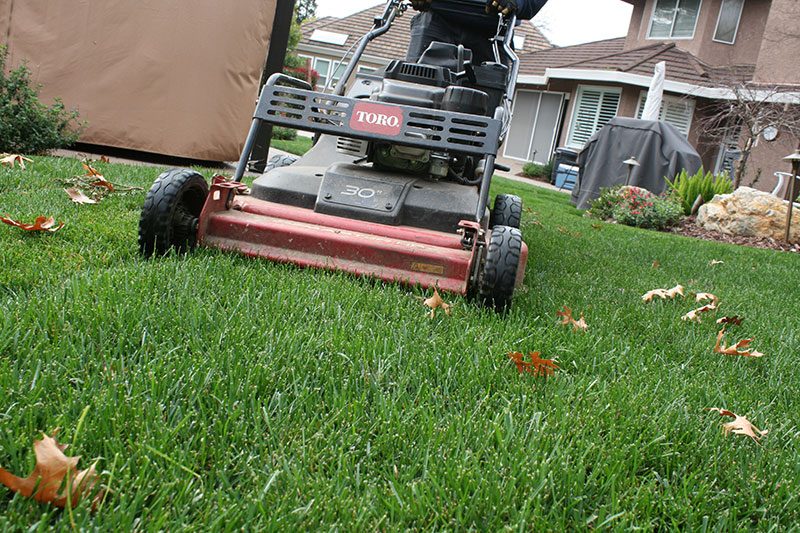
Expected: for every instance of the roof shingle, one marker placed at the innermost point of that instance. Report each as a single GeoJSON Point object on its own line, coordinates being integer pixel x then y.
{"type": "Point", "coordinates": [394, 44]}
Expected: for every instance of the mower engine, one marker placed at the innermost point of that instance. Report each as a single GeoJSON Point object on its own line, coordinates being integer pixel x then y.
{"type": "Point", "coordinates": [436, 82]}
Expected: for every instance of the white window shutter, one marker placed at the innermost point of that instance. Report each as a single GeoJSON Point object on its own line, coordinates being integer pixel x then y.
{"type": "Point", "coordinates": [594, 108]}
{"type": "Point", "coordinates": [676, 111]}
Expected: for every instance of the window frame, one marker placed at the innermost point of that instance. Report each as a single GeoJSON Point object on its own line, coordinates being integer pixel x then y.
{"type": "Point", "coordinates": [738, 23]}
{"type": "Point", "coordinates": [576, 108]}
{"type": "Point", "coordinates": [674, 19]}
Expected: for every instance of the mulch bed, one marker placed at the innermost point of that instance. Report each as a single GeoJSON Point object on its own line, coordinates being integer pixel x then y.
{"type": "Point", "coordinates": [689, 228]}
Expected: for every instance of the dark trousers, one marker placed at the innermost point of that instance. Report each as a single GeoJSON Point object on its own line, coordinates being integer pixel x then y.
{"type": "Point", "coordinates": [430, 26]}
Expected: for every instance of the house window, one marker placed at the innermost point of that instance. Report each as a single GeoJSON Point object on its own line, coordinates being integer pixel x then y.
{"type": "Point", "coordinates": [674, 110]}
{"type": "Point", "coordinates": [338, 73]}
{"type": "Point", "coordinates": [674, 19]}
{"type": "Point", "coordinates": [730, 13]}
{"type": "Point", "coordinates": [594, 108]}
{"type": "Point", "coordinates": [323, 68]}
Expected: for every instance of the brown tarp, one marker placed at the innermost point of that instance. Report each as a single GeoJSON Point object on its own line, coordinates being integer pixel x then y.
{"type": "Point", "coordinates": [174, 77]}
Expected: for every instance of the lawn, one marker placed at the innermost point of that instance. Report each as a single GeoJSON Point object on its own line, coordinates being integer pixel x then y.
{"type": "Point", "coordinates": [297, 146]}
{"type": "Point", "coordinates": [225, 393]}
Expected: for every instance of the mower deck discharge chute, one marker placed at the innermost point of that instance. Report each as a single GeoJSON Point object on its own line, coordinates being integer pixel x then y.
{"type": "Point", "coordinates": [396, 186]}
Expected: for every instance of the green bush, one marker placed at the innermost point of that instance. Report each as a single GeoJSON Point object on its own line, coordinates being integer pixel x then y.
{"type": "Point", "coordinates": [636, 207]}
{"type": "Point", "coordinates": [26, 124]}
{"type": "Point", "coordinates": [284, 134]}
{"type": "Point", "coordinates": [534, 170]}
{"type": "Point", "coordinates": [687, 188]}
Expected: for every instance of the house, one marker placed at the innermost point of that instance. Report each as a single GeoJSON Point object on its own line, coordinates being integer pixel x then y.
{"type": "Point", "coordinates": [325, 41]}
{"type": "Point", "coordinates": [567, 94]}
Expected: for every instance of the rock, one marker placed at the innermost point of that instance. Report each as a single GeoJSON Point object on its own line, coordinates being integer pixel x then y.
{"type": "Point", "coordinates": [749, 213]}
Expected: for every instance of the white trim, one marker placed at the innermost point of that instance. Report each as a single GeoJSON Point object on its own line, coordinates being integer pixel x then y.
{"type": "Point", "coordinates": [672, 28]}
{"type": "Point", "coordinates": [609, 76]}
{"type": "Point", "coordinates": [738, 23]}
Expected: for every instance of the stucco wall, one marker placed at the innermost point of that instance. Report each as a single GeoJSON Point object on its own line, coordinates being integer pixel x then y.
{"type": "Point", "coordinates": [779, 56]}
{"type": "Point", "coordinates": [744, 51]}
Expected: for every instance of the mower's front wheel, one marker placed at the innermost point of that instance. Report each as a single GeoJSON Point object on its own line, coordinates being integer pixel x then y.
{"type": "Point", "coordinates": [507, 211]}
{"type": "Point", "coordinates": [171, 211]}
{"type": "Point", "coordinates": [500, 269]}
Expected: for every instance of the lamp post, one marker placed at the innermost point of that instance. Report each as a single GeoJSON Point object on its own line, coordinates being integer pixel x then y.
{"type": "Point", "coordinates": [632, 163]}
{"type": "Point", "coordinates": [794, 159]}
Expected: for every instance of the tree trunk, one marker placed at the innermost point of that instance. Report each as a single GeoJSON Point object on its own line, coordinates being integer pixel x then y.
{"type": "Point", "coordinates": [742, 166]}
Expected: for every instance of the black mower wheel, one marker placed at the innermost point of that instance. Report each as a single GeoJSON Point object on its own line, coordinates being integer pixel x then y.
{"type": "Point", "coordinates": [500, 269]}
{"type": "Point", "coordinates": [171, 211]}
{"type": "Point", "coordinates": [279, 161]}
{"type": "Point", "coordinates": [507, 211]}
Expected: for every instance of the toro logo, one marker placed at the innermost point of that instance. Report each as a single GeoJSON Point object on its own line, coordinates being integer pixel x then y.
{"type": "Point", "coordinates": [376, 118]}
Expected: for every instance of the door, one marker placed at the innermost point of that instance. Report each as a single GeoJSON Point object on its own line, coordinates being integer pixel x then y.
{"type": "Point", "coordinates": [534, 124]}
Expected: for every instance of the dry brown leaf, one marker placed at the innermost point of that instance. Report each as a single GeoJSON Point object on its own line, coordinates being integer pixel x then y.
{"type": "Point", "coordinates": [694, 316]}
{"type": "Point", "coordinates": [104, 159]}
{"type": "Point", "coordinates": [703, 296]}
{"type": "Point", "coordinates": [735, 320]}
{"type": "Point", "coordinates": [78, 197]}
{"type": "Point", "coordinates": [536, 366]}
{"type": "Point", "coordinates": [10, 159]}
{"type": "Point", "coordinates": [566, 319]}
{"type": "Point", "coordinates": [40, 224]}
{"type": "Point", "coordinates": [656, 264]}
{"type": "Point", "coordinates": [90, 170]}
{"type": "Point", "coordinates": [664, 294]}
{"type": "Point", "coordinates": [435, 302]}
{"type": "Point", "coordinates": [740, 425]}
{"type": "Point", "coordinates": [53, 474]}
{"type": "Point", "coordinates": [102, 182]}
{"type": "Point", "coordinates": [740, 348]}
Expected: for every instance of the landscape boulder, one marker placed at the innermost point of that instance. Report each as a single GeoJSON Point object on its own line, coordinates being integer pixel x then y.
{"type": "Point", "coordinates": [749, 213]}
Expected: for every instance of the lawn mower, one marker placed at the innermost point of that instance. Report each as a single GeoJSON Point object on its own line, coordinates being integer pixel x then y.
{"type": "Point", "coordinates": [396, 186]}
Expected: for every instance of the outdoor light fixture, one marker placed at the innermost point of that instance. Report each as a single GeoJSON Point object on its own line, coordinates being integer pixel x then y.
{"type": "Point", "coordinates": [794, 159]}
{"type": "Point", "coordinates": [632, 163]}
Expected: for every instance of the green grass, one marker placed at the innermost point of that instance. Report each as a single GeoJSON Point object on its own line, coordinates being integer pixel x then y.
{"type": "Point", "coordinates": [227, 393]}
{"type": "Point", "coordinates": [298, 146]}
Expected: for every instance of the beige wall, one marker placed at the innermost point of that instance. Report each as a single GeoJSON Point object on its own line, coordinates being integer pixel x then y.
{"type": "Point", "coordinates": [745, 51]}
{"type": "Point", "coordinates": [174, 77]}
{"type": "Point", "coordinates": [779, 56]}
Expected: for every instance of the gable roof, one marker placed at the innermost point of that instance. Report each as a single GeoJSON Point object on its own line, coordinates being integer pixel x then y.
{"type": "Point", "coordinates": [609, 55]}
{"type": "Point", "coordinates": [394, 44]}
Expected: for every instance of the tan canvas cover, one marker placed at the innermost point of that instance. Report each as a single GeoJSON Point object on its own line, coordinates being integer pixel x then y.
{"type": "Point", "coordinates": [175, 77]}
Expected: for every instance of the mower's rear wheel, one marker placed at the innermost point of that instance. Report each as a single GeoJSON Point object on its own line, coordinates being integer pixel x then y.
{"type": "Point", "coordinates": [171, 211]}
{"type": "Point", "coordinates": [279, 161]}
{"type": "Point", "coordinates": [500, 269]}
{"type": "Point", "coordinates": [507, 211]}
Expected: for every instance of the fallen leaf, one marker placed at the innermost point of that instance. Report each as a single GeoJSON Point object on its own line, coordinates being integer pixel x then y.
{"type": "Point", "coordinates": [714, 262]}
{"type": "Point", "coordinates": [90, 170]}
{"type": "Point", "coordinates": [703, 296]}
{"type": "Point", "coordinates": [566, 319]}
{"type": "Point", "coordinates": [656, 264]}
{"type": "Point", "coordinates": [664, 294]}
{"type": "Point", "coordinates": [740, 425]}
{"type": "Point", "coordinates": [52, 470]}
{"type": "Point", "coordinates": [9, 160]}
{"type": "Point", "coordinates": [536, 366]}
{"type": "Point", "coordinates": [740, 348]}
{"type": "Point", "coordinates": [735, 320]}
{"type": "Point", "coordinates": [78, 197]}
{"type": "Point", "coordinates": [102, 182]}
{"type": "Point", "coordinates": [40, 224]}
{"type": "Point", "coordinates": [104, 159]}
{"type": "Point", "coordinates": [435, 302]}
{"type": "Point", "coordinates": [694, 316]}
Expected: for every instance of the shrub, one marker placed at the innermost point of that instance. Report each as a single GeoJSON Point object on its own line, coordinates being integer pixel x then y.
{"type": "Point", "coordinates": [535, 170]}
{"type": "Point", "coordinates": [687, 188]}
{"type": "Point", "coordinates": [637, 207]}
{"type": "Point", "coordinates": [284, 134]}
{"type": "Point", "coordinates": [26, 124]}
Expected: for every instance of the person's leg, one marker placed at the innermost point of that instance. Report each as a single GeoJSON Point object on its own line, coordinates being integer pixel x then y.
{"type": "Point", "coordinates": [425, 28]}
